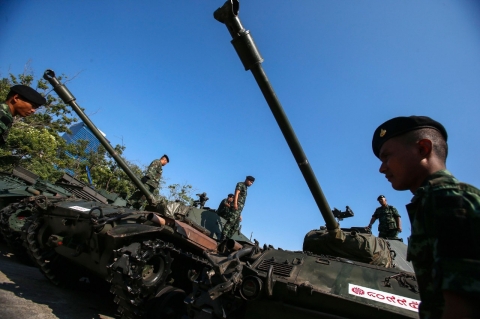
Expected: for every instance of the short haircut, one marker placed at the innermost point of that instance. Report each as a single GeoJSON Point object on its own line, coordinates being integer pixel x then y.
{"type": "Point", "coordinates": [166, 157]}
{"type": "Point", "coordinates": [440, 146]}
{"type": "Point", "coordinates": [10, 95]}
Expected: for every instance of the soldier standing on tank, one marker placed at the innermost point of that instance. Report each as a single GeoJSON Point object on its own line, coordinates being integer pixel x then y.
{"type": "Point", "coordinates": [389, 222]}
{"type": "Point", "coordinates": [234, 217]}
{"type": "Point", "coordinates": [22, 100]}
{"type": "Point", "coordinates": [202, 199]}
{"type": "Point", "coordinates": [151, 179]}
{"type": "Point", "coordinates": [225, 206]}
{"type": "Point", "coordinates": [445, 215]}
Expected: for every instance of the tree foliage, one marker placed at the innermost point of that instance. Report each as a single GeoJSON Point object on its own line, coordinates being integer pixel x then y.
{"type": "Point", "coordinates": [181, 193]}
{"type": "Point", "coordinates": [35, 143]}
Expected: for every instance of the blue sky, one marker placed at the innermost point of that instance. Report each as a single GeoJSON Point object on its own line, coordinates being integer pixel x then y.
{"type": "Point", "coordinates": [162, 77]}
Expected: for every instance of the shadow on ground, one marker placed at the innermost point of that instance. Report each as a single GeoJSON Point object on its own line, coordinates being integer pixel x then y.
{"type": "Point", "coordinates": [26, 293]}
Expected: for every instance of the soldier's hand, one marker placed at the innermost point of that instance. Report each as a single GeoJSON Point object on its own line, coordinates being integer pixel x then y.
{"type": "Point", "coordinates": [235, 206]}
{"type": "Point", "coordinates": [367, 227]}
{"type": "Point", "coordinates": [399, 229]}
{"type": "Point", "coordinates": [240, 218]}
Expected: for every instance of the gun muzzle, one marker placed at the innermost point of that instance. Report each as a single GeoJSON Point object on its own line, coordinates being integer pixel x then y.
{"type": "Point", "coordinates": [156, 219]}
{"type": "Point", "coordinates": [232, 245]}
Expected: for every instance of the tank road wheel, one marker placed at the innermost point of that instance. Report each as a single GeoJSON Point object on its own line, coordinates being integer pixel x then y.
{"type": "Point", "coordinates": [12, 220]}
{"type": "Point", "coordinates": [139, 270]}
{"type": "Point", "coordinates": [168, 304]}
{"type": "Point", "coordinates": [55, 267]}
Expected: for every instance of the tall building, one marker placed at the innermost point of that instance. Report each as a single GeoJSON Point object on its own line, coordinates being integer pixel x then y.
{"type": "Point", "coordinates": [81, 132]}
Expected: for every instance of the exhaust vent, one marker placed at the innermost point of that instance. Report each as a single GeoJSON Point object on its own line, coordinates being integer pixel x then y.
{"type": "Point", "coordinates": [278, 269]}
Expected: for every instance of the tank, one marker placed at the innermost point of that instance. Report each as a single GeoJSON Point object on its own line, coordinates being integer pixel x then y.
{"type": "Point", "coordinates": [21, 184]}
{"type": "Point", "coordinates": [341, 273]}
{"type": "Point", "coordinates": [148, 257]}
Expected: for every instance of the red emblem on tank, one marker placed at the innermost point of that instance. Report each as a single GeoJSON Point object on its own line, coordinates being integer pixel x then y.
{"type": "Point", "coordinates": [357, 291]}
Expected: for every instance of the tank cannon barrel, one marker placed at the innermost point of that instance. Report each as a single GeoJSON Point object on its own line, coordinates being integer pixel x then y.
{"type": "Point", "coordinates": [69, 99]}
{"type": "Point", "coordinates": [251, 60]}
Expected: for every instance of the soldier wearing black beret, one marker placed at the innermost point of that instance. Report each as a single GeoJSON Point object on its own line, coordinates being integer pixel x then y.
{"type": "Point", "coordinates": [389, 221]}
{"type": "Point", "coordinates": [444, 213]}
{"type": "Point", "coordinates": [22, 100]}
{"type": "Point", "coordinates": [234, 217]}
{"type": "Point", "coordinates": [151, 180]}
{"type": "Point", "coordinates": [225, 205]}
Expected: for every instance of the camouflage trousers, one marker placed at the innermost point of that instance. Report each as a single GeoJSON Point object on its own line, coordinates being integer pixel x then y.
{"type": "Point", "coordinates": [138, 200]}
{"type": "Point", "coordinates": [233, 222]}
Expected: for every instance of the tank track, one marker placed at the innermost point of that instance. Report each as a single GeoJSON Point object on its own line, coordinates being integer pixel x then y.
{"type": "Point", "coordinates": [7, 233]}
{"type": "Point", "coordinates": [55, 267]}
{"type": "Point", "coordinates": [139, 271]}
{"type": "Point", "coordinates": [14, 238]}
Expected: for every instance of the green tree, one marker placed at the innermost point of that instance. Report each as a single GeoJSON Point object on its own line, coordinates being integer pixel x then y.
{"type": "Point", "coordinates": [35, 143]}
{"type": "Point", "coordinates": [106, 173]}
{"type": "Point", "coordinates": [181, 193]}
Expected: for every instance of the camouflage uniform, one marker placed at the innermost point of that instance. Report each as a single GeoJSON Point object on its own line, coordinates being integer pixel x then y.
{"type": "Point", "coordinates": [151, 181]}
{"type": "Point", "coordinates": [153, 175]}
{"type": "Point", "coordinates": [223, 209]}
{"type": "Point", "coordinates": [202, 199]}
{"type": "Point", "coordinates": [233, 217]}
{"type": "Point", "coordinates": [387, 225]}
{"type": "Point", "coordinates": [445, 243]}
{"type": "Point", "coordinates": [6, 121]}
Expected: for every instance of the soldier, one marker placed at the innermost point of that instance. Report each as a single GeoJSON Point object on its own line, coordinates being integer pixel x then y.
{"type": "Point", "coordinates": [389, 222]}
{"type": "Point", "coordinates": [151, 180]}
{"type": "Point", "coordinates": [225, 206]}
{"type": "Point", "coordinates": [445, 215]}
{"type": "Point", "coordinates": [202, 199]}
{"type": "Point", "coordinates": [22, 100]}
{"type": "Point", "coordinates": [234, 217]}
{"type": "Point", "coordinates": [154, 173]}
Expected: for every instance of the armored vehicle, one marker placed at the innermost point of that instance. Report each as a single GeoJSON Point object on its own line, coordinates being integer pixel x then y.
{"type": "Point", "coordinates": [351, 276]}
{"type": "Point", "coordinates": [149, 257]}
{"type": "Point", "coordinates": [22, 183]}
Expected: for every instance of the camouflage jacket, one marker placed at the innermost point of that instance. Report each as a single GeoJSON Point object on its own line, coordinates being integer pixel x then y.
{"type": "Point", "coordinates": [224, 208]}
{"type": "Point", "coordinates": [242, 197]}
{"type": "Point", "coordinates": [154, 173]}
{"type": "Point", "coordinates": [445, 243]}
{"type": "Point", "coordinates": [6, 121]}
{"type": "Point", "coordinates": [386, 218]}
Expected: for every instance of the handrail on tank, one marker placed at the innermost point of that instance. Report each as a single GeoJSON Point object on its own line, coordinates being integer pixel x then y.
{"type": "Point", "coordinates": [69, 99]}
{"type": "Point", "coordinates": [251, 59]}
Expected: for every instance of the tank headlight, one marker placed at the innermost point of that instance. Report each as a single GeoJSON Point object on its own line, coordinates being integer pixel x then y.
{"type": "Point", "coordinates": [251, 288]}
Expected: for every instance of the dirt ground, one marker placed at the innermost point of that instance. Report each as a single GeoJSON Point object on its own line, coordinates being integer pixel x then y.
{"type": "Point", "coordinates": [26, 293]}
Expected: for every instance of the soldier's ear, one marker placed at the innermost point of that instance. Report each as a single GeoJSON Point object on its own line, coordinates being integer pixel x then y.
{"type": "Point", "coordinates": [425, 147]}
{"type": "Point", "coordinates": [14, 98]}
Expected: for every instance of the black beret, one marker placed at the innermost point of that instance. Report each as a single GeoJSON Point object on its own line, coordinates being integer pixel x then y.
{"type": "Point", "coordinates": [230, 195]}
{"type": "Point", "coordinates": [166, 157]}
{"type": "Point", "coordinates": [250, 178]}
{"type": "Point", "coordinates": [401, 125]}
{"type": "Point", "coordinates": [29, 94]}
{"type": "Point", "coordinates": [381, 196]}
